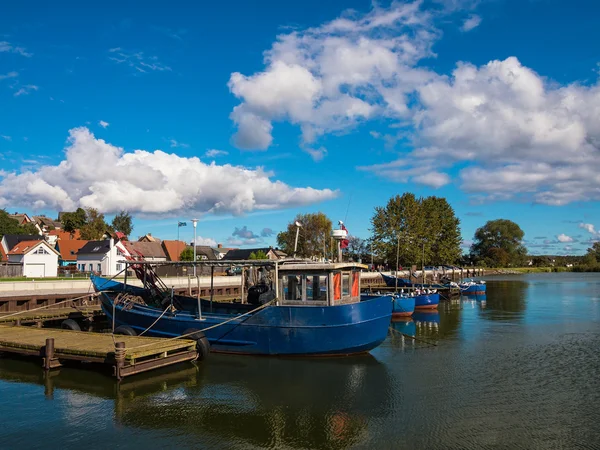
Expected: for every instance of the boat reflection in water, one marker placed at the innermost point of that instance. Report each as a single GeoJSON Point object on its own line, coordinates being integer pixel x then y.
{"type": "Point", "coordinates": [239, 402]}
{"type": "Point", "coordinates": [475, 299]}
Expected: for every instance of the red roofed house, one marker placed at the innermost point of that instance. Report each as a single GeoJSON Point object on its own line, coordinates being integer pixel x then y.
{"type": "Point", "coordinates": [173, 249]}
{"type": "Point", "coordinates": [38, 258]}
{"type": "Point", "coordinates": [68, 249]}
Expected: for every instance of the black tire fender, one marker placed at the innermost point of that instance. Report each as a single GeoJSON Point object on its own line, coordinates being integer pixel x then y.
{"type": "Point", "coordinates": [70, 324]}
{"type": "Point", "coordinates": [125, 330]}
{"type": "Point", "coordinates": [202, 344]}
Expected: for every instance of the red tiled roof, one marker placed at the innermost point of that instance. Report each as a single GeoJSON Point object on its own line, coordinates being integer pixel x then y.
{"type": "Point", "coordinates": [173, 249]}
{"type": "Point", "coordinates": [69, 248]}
{"type": "Point", "coordinates": [26, 246]}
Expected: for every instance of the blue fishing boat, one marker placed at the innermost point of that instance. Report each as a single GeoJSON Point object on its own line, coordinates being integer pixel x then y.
{"type": "Point", "coordinates": [404, 305]}
{"type": "Point", "coordinates": [471, 287]}
{"type": "Point", "coordinates": [426, 299]}
{"type": "Point", "coordinates": [293, 308]}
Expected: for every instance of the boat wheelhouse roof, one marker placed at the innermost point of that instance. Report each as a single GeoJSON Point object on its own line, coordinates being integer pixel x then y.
{"type": "Point", "coordinates": [309, 265]}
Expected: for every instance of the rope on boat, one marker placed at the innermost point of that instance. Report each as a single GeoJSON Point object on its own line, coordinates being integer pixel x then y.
{"type": "Point", "coordinates": [205, 329]}
{"type": "Point", "coordinates": [413, 337]}
{"type": "Point", "coordinates": [49, 306]}
{"type": "Point", "coordinates": [159, 317]}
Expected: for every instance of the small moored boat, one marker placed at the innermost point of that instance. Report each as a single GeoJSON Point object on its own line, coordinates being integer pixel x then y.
{"type": "Point", "coordinates": [471, 287]}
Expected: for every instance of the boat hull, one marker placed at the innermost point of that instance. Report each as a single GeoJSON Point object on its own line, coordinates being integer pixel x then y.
{"type": "Point", "coordinates": [403, 306]}
{"type": "Point", "coordinates": [473, 289]}
{"type": "Point", "coordinates": [274, 330]}
{"type": "Point", "coordinates": [427, 301]}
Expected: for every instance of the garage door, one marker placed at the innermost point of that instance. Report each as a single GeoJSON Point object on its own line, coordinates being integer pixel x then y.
{"type": "Point", "coordinates": [34, 270]}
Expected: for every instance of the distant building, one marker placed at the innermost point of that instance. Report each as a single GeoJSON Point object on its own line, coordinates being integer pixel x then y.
{"type": "Point", "coordinates": [102, 257]}
{"type": "Point", "coordinates": [244, 253]}
{"type": "Point", "coordinates": [221, 251]}
{"type": "Point", "coordinates": [68, 248]}
{"type": "Point", "coordinates": [23, 219]}
{"type": "Point", "coordinates": [148, 238]}
{"type": "Point", "coordinates": [45, 224]}
{"type": "Point", "coordinates": [150, 251]}
{"type": "Point", "coordinates": [38, 258]}
{"type": "Point", "coordinates": [173, 249]}
{"type": "Point", "coordinates": [10, 240]}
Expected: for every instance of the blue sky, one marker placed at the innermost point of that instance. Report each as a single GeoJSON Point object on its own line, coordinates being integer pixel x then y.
{"type": "Point", "coordinates": [244, 116]}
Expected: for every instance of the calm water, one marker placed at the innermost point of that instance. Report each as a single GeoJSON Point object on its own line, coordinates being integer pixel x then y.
{"type": "Point", "coordinates": [518, 370]}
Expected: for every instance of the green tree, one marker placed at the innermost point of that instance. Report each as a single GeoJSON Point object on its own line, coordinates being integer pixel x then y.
{"type": "Point", "coordinates": [442, 231]}
{"type": "Point", "coordinates": [95, 226]}
{"type": "Point", "coordinates": [72, 221]}
{"type": "Point", "coordinates": [499, 244]}
{"type": "Point", "coordinates": [9, 225]}
{"type": "Point", "coordinates": [593, 252]}
{"type": "Point", "coordinates": [357, 249]}
{"type": "Point", "coordinates": [421, 230]}
{"type": "Point", "coordinates": [187, 254]}
{"type": "Point", "coordinates": [122, 223]}
{"type": "Point", "coordinates": [258, 255]}
{"type": "Point", "coordinates": [314, 238]}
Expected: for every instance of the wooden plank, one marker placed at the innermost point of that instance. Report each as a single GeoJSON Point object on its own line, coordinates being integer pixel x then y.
{"type": "Point", "coordinates": [87, 344]}
{"type": "Point", "coordinates": [51, 314]}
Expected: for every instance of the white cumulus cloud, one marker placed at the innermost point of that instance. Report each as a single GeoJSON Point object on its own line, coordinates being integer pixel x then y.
{"type": "Point", "coordinates": [499, 130]}
{"type": "Point", "coordinates": [564, 238]}
{"type": "Point", "coordinates": [212, 153]}
{"type": "Point", "coordinates": [590, 229]}
{"type": "Point", "coordinates": [205, 241]}
{"type": "Point", "coordinates": [97, 174]}
{"type": "Point", "coordinates": [471, 22]}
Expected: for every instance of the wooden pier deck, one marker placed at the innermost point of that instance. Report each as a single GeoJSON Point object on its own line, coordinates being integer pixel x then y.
{"type": "Point", "coordinates": [50, 315]}
{"type": "Point", "coordinates": [128, 355]}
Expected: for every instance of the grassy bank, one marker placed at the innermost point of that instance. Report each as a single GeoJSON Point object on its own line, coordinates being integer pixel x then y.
{"type": "Point", "coordinates": [518, 270]}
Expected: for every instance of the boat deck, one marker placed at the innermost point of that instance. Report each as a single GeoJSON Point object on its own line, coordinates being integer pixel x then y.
{"type": "Point", "coordinates": [127, 355]}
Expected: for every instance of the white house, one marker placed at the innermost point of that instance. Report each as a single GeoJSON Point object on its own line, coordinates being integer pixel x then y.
{"type": "Point", "coordinates": [102, 257]}
{"type": "Point", "coordinates": [39, 259]}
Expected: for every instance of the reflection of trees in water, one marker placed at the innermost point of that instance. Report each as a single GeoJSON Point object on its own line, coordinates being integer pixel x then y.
{"type": "Point", "coordinates": [264, 402]}
{"type": "Point", "coordinates": [505, 300]}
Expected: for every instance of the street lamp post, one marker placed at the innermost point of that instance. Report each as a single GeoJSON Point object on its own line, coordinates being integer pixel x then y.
{"type": "Point", "coordinates": [298, 225]}
{"type": "Point", "coordinates": [195, 223]}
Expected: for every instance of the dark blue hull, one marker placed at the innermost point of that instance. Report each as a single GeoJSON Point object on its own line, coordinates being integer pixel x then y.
{"type": "Point", "coordinates": [474, 289]}
{"type": "Point", "coordinates": [273, 330]}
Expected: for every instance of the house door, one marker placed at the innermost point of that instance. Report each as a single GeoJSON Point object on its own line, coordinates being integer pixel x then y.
{"type": "Point", "coordinates": [34, 270]}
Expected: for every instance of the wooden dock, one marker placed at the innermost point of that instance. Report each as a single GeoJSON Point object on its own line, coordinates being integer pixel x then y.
{"type": "Point", "coordinates": [51, 315]}
{"type": "Point", "coordinates": [128, 355]}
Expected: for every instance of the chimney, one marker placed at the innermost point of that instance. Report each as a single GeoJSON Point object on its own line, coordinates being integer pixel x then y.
{"type": "Point", "coordinates": [219, 245]}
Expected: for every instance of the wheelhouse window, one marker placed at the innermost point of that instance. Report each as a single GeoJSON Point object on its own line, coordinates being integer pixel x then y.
{"type": "Point", "coordinates": [316, 288]}
{"type": "Point", "coordinates": [303, 288]}
{"type": "Point", "coordinates": [345, 284]}
{"type": "Point", "coordinates": [292, 287]}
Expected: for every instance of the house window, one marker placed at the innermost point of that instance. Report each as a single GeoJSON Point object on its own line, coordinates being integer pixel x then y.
{"type": "Point", "coordinates": [119, 252]}
{"type": "Point", "coordinates": [41, 251]}
{"type": "Point", "coordinates": [91, 267]}
{"type": "Point", "coordinates": [99, 267]}
{"type": "Point", "coordinates": [119, 267]}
